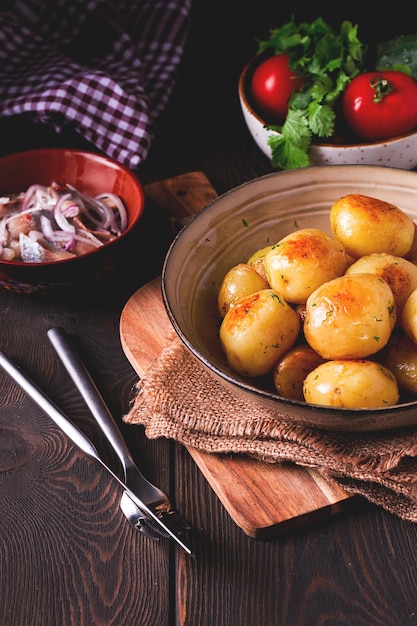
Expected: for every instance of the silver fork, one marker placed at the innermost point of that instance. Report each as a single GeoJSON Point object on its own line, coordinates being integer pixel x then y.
{"type": "Point", "coordinates": [155, 516]}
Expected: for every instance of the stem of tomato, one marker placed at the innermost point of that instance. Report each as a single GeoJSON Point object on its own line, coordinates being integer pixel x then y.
{"type": "Point", "coordinates": [382, 87]}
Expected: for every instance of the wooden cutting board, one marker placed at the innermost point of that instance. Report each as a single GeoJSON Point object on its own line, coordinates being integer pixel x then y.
{"type": "Point", "coordinates": [263, 499]}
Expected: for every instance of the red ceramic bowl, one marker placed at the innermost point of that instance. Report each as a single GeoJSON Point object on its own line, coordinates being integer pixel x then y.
{"type": "Point", "coordinates": [89, 173]}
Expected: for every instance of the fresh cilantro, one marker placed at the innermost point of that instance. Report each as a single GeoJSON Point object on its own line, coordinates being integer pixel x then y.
{"type": "Point", "coordinates": [326, 61]}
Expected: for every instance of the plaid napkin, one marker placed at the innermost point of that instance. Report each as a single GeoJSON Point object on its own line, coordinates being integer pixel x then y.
{"type": "Point", "coordinates": [178, 399]}
{"type": "Point", "coordinates": [106, 68]}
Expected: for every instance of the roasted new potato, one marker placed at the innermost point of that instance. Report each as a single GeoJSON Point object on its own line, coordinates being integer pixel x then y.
{"type": "Point", "coordinates": [302, 261]}
{"type": "Point", "coordinates": [365, 225]}
{"type": "Point", "coordinates": [257, 261]}
{"type": "Point", "coordinates": [241, 280]}
{"type": "Point", "coordinates": [400, 274]}
{"type": "Point", "coordinates": [355, 384]}
{"type": "Point", "coordinates": [257, 330]}
{"type": "Point", "coordinates": [290, 371]}
{"type": "Point", "coordinates": [400, 357]}
{"type": "Point", "coordinates": [412, 253]}
{"type": "Point", "coordinates": [350, 317]}
{"type": "Point", "coordinates": [323, 314]}
{"type": "Point", "coordinates": [408, 320]}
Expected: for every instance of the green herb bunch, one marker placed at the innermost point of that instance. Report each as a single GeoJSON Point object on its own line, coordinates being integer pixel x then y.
{"type": "Point", "coordinates": [326, 61]}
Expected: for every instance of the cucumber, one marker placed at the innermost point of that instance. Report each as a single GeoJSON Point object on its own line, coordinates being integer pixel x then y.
{"type": "Point", "coordinates": [398, 53]}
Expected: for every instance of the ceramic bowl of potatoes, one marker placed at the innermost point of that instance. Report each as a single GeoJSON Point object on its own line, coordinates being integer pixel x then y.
{"type": "Point", "coordinates": [298, 291]}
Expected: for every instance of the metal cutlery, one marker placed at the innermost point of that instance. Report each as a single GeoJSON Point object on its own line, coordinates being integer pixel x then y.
{"type": "Point", "coordinates": [134, 516]}
{"type": "Point", "coordinates": [155, 515]}
{"type": "Point", "coordinates": [150, 495]}
{"type": "Point", "coordinates": [82, 379]}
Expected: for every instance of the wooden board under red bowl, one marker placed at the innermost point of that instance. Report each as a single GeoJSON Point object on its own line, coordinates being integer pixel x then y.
{"type": "Point", "coordinates": [263, 499]}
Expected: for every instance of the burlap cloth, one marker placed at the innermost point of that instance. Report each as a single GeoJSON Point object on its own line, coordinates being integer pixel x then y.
{"type": "Point", "coordinates": [178, 399]}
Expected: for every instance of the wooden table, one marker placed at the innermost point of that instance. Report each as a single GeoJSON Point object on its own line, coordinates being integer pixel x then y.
{"type": "Point", "coordinates": [68, 557]}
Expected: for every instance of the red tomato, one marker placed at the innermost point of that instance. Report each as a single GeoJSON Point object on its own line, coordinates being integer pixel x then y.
{"type": "Point", "coordinates": [272, 84]}
{"type": "Point", "coordinates": [381, 105]}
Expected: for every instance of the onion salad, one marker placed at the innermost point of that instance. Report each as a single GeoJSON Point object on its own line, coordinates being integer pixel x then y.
{"type": "Point", "coordinates": [57, 222]}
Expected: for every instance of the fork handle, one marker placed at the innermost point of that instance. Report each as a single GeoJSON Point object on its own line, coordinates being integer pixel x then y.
{"type": "Point", "coordinates": [89, 391]}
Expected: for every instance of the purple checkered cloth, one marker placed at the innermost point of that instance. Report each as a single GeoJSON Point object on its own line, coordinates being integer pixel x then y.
{"type": "Point", "coordinates": [105, 68]}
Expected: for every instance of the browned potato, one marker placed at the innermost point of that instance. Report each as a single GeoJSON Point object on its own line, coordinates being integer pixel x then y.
{"type": "Point", "coordinates": [241, 280]}
{"type": "Point", "coordinates": [408, 320]}
{"type": "Point", "coordinates": [365, 225]}
{"type": "Point", "coordinates": [290, 371]}
{"type": "Point", "coordinates": [302, 261]}
{"type": "Point", "coordinates": [257, 261]}
{"type": "Point", "coordinates": [355, 384]}
{"type": "Point", "coordinates": [301, 310]}
{"type": "Point", "coordinates": [400, 356]}
{"type": "Point", "coordinates": [412, 253]}
{"type": "Point", "coordinates": [257, 330]}
{"type": "Point", "coordinates": [400, 274]}
{"type": "Point", "coordinates": [350, 317]}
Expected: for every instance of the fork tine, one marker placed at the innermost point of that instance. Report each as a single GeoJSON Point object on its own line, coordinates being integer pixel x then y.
{"type": "Point", "coordinates": [172, 522]}
{"type": "Point", "coordinates": [144, 527]}
{"type": "Point", "coordinates": [148, 526]}
{"type": "Point", "coordinates": [136, 517]}
{"type": "Point", "coordinates": [177, 520]}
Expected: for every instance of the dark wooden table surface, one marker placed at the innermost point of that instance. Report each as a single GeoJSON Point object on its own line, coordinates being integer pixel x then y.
{"type": "Point", "coordinates": [67, 555]}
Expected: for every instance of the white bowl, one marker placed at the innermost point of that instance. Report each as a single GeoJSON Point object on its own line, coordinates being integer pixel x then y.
{"type": "Point", "coordinates": [400, 152]}
{"type": "Point", "coordinates": [230, 230]}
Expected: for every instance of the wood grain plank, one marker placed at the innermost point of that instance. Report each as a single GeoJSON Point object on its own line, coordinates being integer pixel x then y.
{"type": "Point", "coordinates": [144, 335]}
{"type": "Point", "coordinates": [182, 196]}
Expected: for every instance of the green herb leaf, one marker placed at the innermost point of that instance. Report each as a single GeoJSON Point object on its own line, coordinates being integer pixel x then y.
{"type": "Point", "coordinates": [321, 119]}
{"type": "Point", "coordinates": [326, 61]}
{"type": "Point", "coordinates": [292, 144]}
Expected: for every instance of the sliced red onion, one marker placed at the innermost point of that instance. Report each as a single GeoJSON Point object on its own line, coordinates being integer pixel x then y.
{"type": "Point", "coordinates": [35, 194]}
{"type": "Point", "coordinates": [53, 209]}
{"type": "Point", "coordinates": [61, 216]}
{"type": "Point", "coordinates": [121, 209]}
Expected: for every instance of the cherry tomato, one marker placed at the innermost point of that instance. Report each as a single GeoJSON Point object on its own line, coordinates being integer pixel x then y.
{"type": "Point", "coordinates": [381, 105]}
{"type": "Point", "coordinates": [272, 84]}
